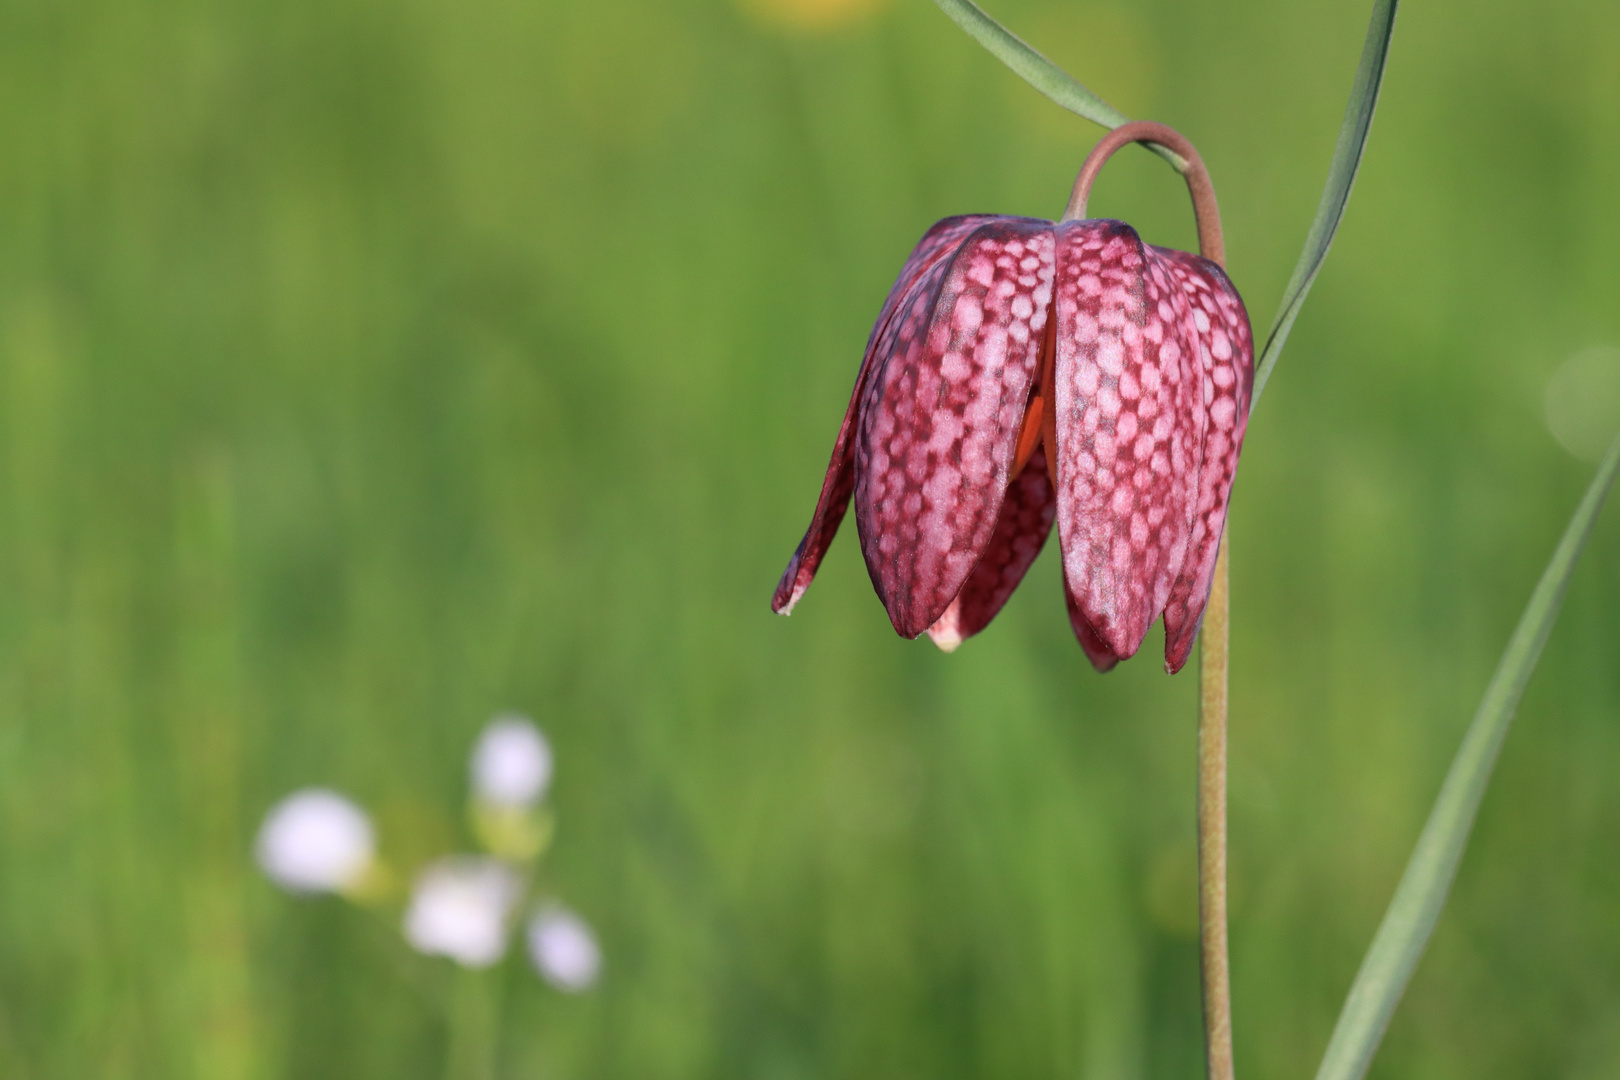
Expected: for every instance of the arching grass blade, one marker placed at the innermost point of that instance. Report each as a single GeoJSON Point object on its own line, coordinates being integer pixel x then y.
{"type": "Point", "coordinates": [1358, 116]}
{"type": "Point", "coordinates": [1405, 931]}
{"type": "Point", "coordinates": [1038, 71]}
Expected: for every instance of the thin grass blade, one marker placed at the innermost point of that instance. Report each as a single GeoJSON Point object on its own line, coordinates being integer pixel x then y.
{"type": "Point", "coordinates": [1035, 69]}
{"type": "Point", "coordinates": [1358, 115]}
{"type": "Point", "coordinates": [1405, 931]}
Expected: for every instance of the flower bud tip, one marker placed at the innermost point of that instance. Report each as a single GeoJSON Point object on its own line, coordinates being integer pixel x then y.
{"type": "Point", "coordinates": [511, 763]}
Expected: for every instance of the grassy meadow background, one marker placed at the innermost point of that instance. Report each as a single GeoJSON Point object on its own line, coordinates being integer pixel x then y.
{"type": "Point", "coordinates": [367, 368]}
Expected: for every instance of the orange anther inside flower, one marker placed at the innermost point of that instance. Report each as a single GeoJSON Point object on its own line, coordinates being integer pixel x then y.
{"type": "Point", "coordinates": [1029, 436]}
{"type": "Point", "coordinates": [1035, 418]}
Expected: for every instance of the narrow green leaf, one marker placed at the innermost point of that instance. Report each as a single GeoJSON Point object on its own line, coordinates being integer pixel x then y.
{"type": "Point", "coordinates": [1038, 71]}
{"type": "Point", "coordinates": [1405, 931]}
{"type": "Point", "coordinates": [1358, 116]}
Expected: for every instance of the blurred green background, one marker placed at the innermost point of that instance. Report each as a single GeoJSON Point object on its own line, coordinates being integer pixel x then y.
{"type": "Point", "coordinates": [370, 367]}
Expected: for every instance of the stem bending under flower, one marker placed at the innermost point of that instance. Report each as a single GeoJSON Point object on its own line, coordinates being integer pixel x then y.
{"type": "Point", "coordinates": [1205, 210]}
{"type": "Point", "coordinates": [1214, 954]}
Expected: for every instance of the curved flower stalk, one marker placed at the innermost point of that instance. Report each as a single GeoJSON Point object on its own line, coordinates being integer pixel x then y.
{"type": "Point", "coordinates": [1024, 373]}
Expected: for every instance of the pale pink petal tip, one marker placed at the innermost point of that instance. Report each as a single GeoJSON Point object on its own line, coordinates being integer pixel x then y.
{"type": "Point", "coordinates": [1097, 651]}
{"type": "Point", "coordinates": [1178, 650]}
{"type": "Point", "coordinates": [947, 631]}
{"type": "Point", "coordinates": [785, 606]}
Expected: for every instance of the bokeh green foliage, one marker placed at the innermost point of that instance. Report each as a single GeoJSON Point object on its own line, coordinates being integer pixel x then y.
{"type": "Point", "coordinates": [368, 368]}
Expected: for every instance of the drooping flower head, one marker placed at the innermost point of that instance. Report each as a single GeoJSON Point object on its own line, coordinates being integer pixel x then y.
{"type": "Point", "coordinates": [1023, 372]}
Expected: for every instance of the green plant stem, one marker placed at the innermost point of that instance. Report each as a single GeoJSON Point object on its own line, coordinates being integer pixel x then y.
{"type": "Point", "coordinates": [1412, 914]}
{"type": "Point", "coordinates": [474, 1025]}
{"type": "Point", "coordinates": [1214, 962]}
{"type": "Point", "coordinates": [1216, 989]}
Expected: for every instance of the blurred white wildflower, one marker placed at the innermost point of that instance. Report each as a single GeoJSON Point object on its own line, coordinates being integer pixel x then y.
{"type": "Point", "coordinates": [315, 840]}
{"type": "Point", "coordinates": [511, 764]}
{"type": "Point", "coordinates": [459, 909]}
{"type": "Point", "coordinates": [564, 950]}
{"type": "Point", "coordinates": [1583, 402]}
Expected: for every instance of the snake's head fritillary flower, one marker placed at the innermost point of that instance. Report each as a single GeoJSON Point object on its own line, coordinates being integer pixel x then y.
{"type": "Point", "coordinates": [315, 841]}
{"type": "Point", "coordinates": [1024, 372]}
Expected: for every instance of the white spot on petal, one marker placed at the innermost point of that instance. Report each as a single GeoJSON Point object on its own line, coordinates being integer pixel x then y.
{"type": "Point", "coordinates": [968, 314]}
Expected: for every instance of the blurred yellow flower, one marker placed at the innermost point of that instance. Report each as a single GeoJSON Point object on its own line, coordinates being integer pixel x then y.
{"type": "Point", "coordinates": [809, 15]}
